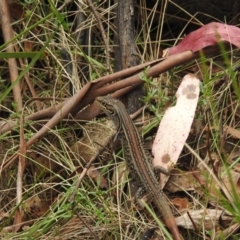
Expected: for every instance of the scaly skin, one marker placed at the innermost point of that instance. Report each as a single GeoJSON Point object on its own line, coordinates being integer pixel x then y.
{"type": "Point", "coordinates": [138, 160]}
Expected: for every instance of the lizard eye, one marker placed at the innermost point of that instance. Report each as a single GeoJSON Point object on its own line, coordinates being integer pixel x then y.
{"type": "Point", "coordinates": [107, 108]}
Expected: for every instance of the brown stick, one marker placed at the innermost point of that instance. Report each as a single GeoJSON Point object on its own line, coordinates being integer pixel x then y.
{"type": "Point", "coordinates": [7, 30]}
{"type": "Point", "coordinates": [98, 88]}
{"type": "Point", "coordinates": [12, 65]}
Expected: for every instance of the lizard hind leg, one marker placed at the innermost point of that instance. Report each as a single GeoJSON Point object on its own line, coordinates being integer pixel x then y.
{"type": "Point", "coordinates": [140, 196]}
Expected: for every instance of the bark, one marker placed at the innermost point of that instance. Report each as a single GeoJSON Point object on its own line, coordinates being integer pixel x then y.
{"type": "Point", "coordinates": [125, 54]}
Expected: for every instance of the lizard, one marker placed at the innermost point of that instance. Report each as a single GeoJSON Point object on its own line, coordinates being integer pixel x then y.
{"type": "Point", "coordinates": [138, 160]}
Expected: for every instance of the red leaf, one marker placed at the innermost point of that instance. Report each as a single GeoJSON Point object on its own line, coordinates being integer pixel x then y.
{"type": "Point", "coordinates": [207, 35]}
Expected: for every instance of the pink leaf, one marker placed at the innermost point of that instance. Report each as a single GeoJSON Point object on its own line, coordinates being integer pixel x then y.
{"type": "Point", "coordinates": [207, 35]}
{"type": "Point", "coordinates": [175, 125]}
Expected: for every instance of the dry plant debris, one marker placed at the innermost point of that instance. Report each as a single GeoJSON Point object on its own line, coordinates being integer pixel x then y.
{"type": "Point", "coordinates": [60, 176]}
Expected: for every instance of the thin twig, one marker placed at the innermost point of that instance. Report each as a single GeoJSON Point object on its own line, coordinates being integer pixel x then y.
{"type": "Point", "coordinates": [21, 167]}
{"type": "Point", "coordinates": [65, 4]}
{"type": "Point", "coordinates": [97, 16]}
{"type": "Point", "coordinates": [12, 65]}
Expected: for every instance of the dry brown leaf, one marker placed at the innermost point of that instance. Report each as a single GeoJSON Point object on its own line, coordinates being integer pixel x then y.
{"type": "Point", "coordinates": [233, 183]}
{"type": "Point", "coordinates": [96, 136]}
{"type": "Point", "coordinates": [3, 215]}
{"type": "Point", "coordinates": [183, 181]}
{"type": "Point", "coordinates": [207, 219]}
{"type": "Point", "coordinates": [97, 176]}
{"type": "Point", "coordinates": [235, 133]}
{"type": "Point", "coordinates": [181, 203]}
{"type": "Point", "coordinates": [35, 207]}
